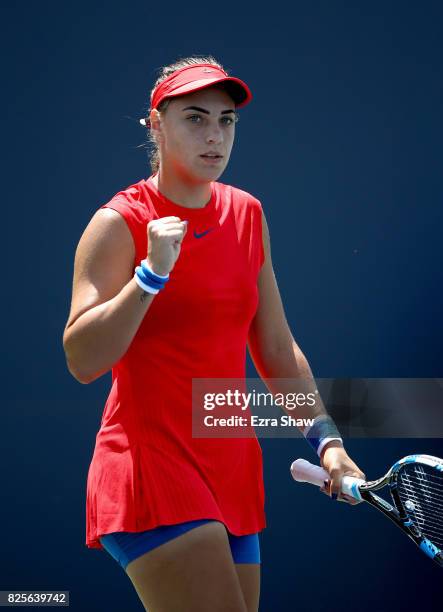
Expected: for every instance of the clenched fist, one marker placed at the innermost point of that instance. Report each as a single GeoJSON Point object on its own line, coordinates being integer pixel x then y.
{"type": "Point", "coordinates": [165, 236]}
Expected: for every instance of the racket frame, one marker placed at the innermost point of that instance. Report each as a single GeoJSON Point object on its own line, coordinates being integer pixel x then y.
{"type": "Point", "coordinates": [364, 491]}
{"type": "Point", "coordinates": [397, 512]}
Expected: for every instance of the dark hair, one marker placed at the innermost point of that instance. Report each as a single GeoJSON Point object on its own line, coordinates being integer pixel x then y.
{"type": "Point", "coordinates": [164, 72]}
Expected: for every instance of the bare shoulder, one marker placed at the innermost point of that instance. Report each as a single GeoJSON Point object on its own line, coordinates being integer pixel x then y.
{"type": "Point", "coordinates": [103, 261]}
{"type": "Point", "coordinates": [106, 228]}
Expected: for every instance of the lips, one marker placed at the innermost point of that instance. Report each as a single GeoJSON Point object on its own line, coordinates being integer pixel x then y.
{"type": "Point", "coordinates": [212, 159]}
{"type": "Point", "coordinates": [212, 155]}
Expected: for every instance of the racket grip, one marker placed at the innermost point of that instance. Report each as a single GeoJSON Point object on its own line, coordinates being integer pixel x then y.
{"type": "Point", "coordinates": [349, 486]}
{"type": "Point", "coordinates": [304, 471]}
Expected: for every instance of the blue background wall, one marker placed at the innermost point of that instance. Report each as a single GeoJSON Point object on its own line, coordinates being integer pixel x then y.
{"type": "Point", "coordinates": [343, 146]}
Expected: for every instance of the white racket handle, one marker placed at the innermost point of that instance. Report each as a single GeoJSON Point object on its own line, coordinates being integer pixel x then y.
{"type": "Point", "coordinates": [304, 471]}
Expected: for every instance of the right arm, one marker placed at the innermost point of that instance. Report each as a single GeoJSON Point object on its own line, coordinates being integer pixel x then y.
{"type": "Point", "coordinates": [107, 305]}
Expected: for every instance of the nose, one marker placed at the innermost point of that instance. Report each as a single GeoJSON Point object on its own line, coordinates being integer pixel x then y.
{"type": "Point", "coordinates": [214, 134]}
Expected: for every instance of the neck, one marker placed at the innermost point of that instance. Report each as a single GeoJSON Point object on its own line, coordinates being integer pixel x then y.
{"type": "Point", "coordinates": [182, 191]}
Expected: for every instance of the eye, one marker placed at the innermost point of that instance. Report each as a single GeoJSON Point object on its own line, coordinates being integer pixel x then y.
{"type": "Point", "coordinates": [194, 118]}
{"type": "Point", "coordinates": [229, 120]}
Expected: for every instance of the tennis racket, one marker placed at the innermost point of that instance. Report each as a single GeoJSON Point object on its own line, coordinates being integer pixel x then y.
{"type": "Point", "coordinates": [416, 486]}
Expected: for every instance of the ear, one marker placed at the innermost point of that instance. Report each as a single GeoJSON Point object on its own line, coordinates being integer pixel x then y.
{"type": "Point", "coordinates": [156, 123]}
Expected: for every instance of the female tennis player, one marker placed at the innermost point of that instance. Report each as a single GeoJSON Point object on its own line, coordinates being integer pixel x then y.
{"type": "Point", "coordinates": [173, 279]}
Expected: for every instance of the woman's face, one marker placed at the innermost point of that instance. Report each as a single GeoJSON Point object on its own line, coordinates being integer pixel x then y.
{"type": "Point", "coordinates": [194, 125]}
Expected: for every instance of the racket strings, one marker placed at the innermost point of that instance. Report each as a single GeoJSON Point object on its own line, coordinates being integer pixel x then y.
{"type": "Point", "coordinates": [420, 488]}
{"type": "Point", "coordinates": [436, 500]}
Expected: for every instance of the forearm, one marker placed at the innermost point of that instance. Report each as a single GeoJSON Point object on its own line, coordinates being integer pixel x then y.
{"type": "Point", "coordinates": [288, 371]}
{"type": "Point", "coordinates": [285, 370]}
{"type": "Point", "coordinates": [95, 341]}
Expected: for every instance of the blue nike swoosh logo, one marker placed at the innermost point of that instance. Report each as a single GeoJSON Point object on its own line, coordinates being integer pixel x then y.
{"type": "Point", "coordinates": [202, 233]}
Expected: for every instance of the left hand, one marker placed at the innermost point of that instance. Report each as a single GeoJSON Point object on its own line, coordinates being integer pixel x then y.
{"type": "Point", "coordinates": [335, 460]}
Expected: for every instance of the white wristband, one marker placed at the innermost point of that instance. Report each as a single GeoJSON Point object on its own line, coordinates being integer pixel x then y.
{"type": "Point", "coordinates": [323, 443]}
{"type": "Point", "coordinates": [142, 285]}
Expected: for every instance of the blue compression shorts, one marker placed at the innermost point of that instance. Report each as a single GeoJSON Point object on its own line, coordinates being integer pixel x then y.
{"type": "Point", "coordinates": [125, 546]}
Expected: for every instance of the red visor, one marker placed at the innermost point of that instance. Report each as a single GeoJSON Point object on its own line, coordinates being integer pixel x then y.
{"type": "Point", "coordinates": [199, 76]}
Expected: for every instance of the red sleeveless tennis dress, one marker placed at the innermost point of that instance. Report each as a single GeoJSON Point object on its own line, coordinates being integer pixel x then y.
{"type": "Point", "coordinates": [147, 470]}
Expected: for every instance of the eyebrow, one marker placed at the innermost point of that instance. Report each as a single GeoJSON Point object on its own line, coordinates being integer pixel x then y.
{"type": "Point", "coordinates": [203, 110]}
